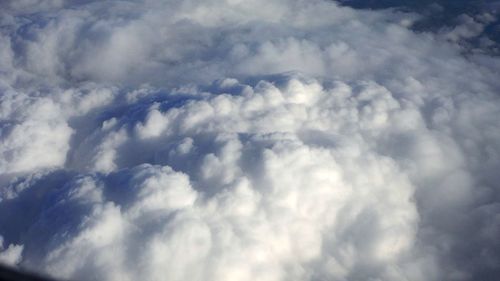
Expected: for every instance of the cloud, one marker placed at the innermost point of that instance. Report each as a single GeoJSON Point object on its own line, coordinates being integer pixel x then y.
{"type": "Point", "coordinates": [264, 140]}
{"type": "Point", "coordinates": [10, 255]}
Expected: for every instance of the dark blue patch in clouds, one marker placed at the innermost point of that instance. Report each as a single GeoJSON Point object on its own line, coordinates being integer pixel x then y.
{"type": "Point", "coordinates": [439, 14]}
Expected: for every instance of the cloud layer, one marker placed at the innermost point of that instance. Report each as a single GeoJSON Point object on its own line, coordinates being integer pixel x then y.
{"type": "Point", "coordinates": [236, 140]}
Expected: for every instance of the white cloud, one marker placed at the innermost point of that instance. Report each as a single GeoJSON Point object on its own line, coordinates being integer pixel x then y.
{"type": "Point", "coordinates": [263, 140]}
{"type": "Point", "coordinates": [10, 255]}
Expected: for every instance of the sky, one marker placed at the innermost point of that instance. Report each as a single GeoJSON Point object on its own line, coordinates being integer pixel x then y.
{"type": "Point", "coordinates": [250, 140]}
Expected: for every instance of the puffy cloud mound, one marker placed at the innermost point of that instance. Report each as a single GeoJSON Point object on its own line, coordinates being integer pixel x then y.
{"type": "Point", "coordinates": [236, 140]}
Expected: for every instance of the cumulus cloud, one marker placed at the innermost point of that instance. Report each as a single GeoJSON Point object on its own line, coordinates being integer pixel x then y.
{"type": "Point", "coordinates": [10, 255]}
{"type": "Point", "coordinates": [263, 140]}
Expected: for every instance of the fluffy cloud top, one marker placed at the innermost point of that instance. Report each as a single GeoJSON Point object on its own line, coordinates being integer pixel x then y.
{"type": "Point", "coordinates": [237, 140]}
